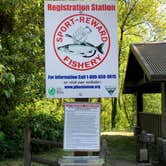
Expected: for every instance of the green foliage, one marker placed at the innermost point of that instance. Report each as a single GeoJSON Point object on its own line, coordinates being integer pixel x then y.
{"type": "Point", "coordinates": [139, 21]}
{"type": "Point", "coordinates": [7, 80]}
{"type": "Point", "coordinates": [10, 143]}
{"type": "Point", "coordinates": [45, 123]}
{"type": "Point", "coordinates": [21, 53]}
{"type": "Point", "coordinates": [45, 127]}
{"type": "Point", "coordinates": [152, 103]}
{"type": "Point", "coordinates": [2, 136]}
{"type": "Point", "coordinates": [106, 115]}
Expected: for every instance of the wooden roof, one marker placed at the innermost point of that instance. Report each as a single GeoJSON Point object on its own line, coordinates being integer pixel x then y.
{"type": "Point", "coordinates": [146, 68]}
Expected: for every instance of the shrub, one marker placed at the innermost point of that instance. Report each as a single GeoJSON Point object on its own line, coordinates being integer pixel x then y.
{"type": "Point", "coordinates": [43, 125]}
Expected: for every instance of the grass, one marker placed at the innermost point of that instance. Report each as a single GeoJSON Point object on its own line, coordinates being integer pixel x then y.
{"type": "Point", "coordinates": [51, 155]}
{"type": "Point", "coordinates": [121, 146]}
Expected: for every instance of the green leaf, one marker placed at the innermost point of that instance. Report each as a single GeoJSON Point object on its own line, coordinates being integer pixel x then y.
{"type": "Point", "coordinates": [2, 68]}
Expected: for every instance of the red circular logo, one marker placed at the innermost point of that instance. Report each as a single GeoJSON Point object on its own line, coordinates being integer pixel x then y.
{"type": "Point", "coordinates": [81, 42]}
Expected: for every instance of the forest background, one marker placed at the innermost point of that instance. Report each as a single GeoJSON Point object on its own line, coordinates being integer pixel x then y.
{"type": "Point", "coordinates": [22, 73]}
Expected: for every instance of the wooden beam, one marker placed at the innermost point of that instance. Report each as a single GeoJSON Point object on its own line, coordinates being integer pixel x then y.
{"type": "Point", "coordinates": [163, 121]}
{"type": "Point", "coordinates": [27, 147]}
{"type": "Point", "coordinates": [81, 99]}
{"type": "Point", "coordinates": [104, 150]}
{"type": "Point", "coordinates": [46, 142]}
{"type": "Point", "coordinates": [139, 106]}
{"type": "Point", "coordinates": [45, 161]}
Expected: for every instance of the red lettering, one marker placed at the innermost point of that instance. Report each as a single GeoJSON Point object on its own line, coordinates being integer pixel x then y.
{"type": "Point", "coordinates": [72, 20]}
{"type": "Point", "coordinates": [63, 29]}
{"type": "Point", "coordinates": [59, 39]}
{"type": "Point", "coordinates": [93, 62]}
{"type": "Point", "coordinates": [102, 33]}
{"type": "Point", "coordinates": [67, 24]}
{"type": "Point", "coordinates": [82, 65]}
{"type": "Point", "coordinates": [66, 58]}
{"type": "Point", "coordinates": [49, 7]}
{"type": "Point", "coordinates": [98, 58]}
{"type": "Point", "coordinates": [94, 23]}
{"type": "Point", "coordinates": [88, 19]}
{"type": "Point", "coordinates": [82, 19]}
{"type": "Point", "coordinates": [99, 28]}
{"type": "Point", "coordinates": [104, 39]}
{"type": "Point", "coordinates": [74, 64]}
{"type": "Point", "coordinates": [87, 65]}
{"type": "Point", "coordinates": [60, 34]}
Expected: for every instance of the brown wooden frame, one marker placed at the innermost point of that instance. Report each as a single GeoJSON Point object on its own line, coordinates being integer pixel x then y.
{"type": "Point", "coordinates": [28, 158]}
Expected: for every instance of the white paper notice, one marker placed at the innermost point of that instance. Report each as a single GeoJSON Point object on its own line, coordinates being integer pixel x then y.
{"type": "Point", "coordinates": [82, 127]}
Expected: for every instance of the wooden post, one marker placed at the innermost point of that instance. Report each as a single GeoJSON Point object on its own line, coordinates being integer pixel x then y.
{"type": "Point", "coordinates": [104, 150]}
{"type": "Point", "coordinates": [81, 99]}
{"type": "Point", "coordinates": [78, 153]}
{"type": "Point", "coordinates": [27, 147]}
{"type": "Point", "coordinates": [162, 141]}
{"type": "Point", "coordinates": [163, 120]}
{"type": "Point", "coordinates": [139, 106]}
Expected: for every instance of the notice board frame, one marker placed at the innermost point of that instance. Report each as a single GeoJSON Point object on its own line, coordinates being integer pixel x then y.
{"type": "Point", "coordinates": [85, 108]}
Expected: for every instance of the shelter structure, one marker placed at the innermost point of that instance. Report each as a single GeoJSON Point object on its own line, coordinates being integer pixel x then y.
{"type": "Point", "coordinates": [146, 73]}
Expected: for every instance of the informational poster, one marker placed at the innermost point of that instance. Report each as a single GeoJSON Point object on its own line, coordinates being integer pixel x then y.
{"type": "Point", "coordinates": [81, 49]}
{"type": "Point", "coordinates": [82, 127]}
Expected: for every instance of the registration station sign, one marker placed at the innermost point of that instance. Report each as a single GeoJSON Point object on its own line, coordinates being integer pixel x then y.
{"type": "Point", "coordinates": [81, 49]}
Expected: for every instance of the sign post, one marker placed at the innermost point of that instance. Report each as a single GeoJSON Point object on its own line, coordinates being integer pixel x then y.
{"type": "Point", "coordinates": [81, 61]}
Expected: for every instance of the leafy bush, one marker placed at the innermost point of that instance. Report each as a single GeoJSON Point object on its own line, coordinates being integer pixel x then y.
{"type": "Point", "coordinates": [44, 125]}
{"type": "Point", "coordinates": [10, 147]}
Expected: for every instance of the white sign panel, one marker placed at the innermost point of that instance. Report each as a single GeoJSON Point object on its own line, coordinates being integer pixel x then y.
{"type": "Point", "coordinates": [82, 127]}
{"type": "Point", "coordinates": [81, 49]}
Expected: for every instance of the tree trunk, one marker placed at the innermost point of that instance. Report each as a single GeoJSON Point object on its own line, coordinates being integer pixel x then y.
{"type": "Point", "coordinates": [114, 112]}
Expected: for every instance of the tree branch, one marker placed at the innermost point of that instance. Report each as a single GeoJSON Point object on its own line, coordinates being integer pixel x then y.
{"type": "Point", "coordinates": [139, 23]}
{"type": "Point", "coordinates": [123, 25]}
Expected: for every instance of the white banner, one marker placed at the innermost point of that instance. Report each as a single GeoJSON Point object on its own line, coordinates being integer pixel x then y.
{"type": "Point", "coordinates": [81, 49]}
{"type": "Point", "coordinates": [82, 127]}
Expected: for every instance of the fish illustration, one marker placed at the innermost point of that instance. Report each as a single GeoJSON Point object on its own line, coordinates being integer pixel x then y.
{"type": "Point", "coordinates": [80, 35]}
{"type": "Point", "coordinates": [85, 50]}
